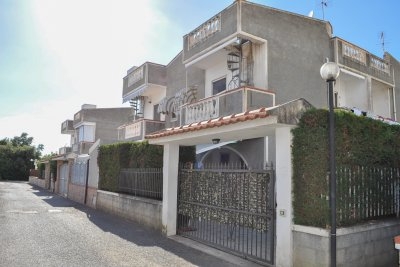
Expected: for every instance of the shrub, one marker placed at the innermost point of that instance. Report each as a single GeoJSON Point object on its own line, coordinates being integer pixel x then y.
{"type": "Point", "coordinates": [360, 141]}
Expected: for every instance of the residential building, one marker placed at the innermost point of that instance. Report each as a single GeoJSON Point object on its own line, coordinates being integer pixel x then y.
{"type": "Point", "coordinates": [144, 87]}
{"type": "Point", "coordinates": [235, 91]}
{"type": "Point", "coordinates": [77, 171]}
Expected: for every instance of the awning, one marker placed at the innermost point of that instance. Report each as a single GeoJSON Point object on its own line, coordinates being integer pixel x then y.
{"type": "Point", "coordinates": [134, 93]}
{"type": "Point", "coordinates": [207, 147]}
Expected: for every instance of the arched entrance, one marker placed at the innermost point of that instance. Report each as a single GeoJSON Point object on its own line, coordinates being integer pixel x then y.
{"type": "Point", "coordinates": [224, 157]}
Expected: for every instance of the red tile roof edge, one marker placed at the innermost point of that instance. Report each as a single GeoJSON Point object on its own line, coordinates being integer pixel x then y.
{"type": "Point", "coordinates": [217, 122]}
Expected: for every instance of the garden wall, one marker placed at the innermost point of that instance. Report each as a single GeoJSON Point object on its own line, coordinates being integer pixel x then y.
{"type": "Point", "coordinates": [369, 244]}
{"type": "Point", "coordinates": [141, 210]}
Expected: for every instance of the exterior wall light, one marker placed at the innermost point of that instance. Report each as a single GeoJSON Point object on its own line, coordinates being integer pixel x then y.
{"type": "Point", "coordinates": [330, 72]}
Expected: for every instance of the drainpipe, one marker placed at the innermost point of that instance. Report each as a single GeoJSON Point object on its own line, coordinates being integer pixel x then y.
{"type": "Point", "coordinates": [87, 181]}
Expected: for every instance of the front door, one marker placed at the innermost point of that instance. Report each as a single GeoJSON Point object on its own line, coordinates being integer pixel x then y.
{"type": "Point", "coordinates": [64, 173]}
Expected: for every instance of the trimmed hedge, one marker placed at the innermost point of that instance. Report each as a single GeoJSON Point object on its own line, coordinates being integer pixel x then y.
{"type": "Point", "coordinates": [360, 141]}
{"type": "Point", "coordinates": [114, 157]}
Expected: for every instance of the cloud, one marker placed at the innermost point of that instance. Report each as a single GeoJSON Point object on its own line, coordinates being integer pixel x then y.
{"type": "Point", "coordinates": [87, 47]}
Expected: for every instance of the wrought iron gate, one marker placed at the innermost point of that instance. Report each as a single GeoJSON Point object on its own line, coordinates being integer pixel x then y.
{"type": "Point", "coordinates": [233, 210]}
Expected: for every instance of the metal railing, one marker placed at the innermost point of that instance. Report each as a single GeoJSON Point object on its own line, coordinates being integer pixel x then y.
{"type": "Point", "coordinates": [367, 192]}
{"type": "Point", "coordinates": [141, 182]}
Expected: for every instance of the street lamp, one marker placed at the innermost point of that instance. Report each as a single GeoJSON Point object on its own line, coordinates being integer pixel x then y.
{"type": "Point", "coordinates": [329, 72]}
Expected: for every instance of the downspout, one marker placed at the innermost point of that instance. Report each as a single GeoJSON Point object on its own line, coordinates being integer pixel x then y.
{"type": "Point", "coordinates": [87, 181]}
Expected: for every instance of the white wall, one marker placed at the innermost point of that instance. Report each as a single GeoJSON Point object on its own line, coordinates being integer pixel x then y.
{"type": "Point", "coordinates": [260, 73]}
{"type": "Point", "coordinates": [215, 72]}
{"type": "Point", "coordinates": [154, 96]}
{"type": "Point", "coordinates": [352, 91]}
{"type": "Point", "coordinates": [381, 99]}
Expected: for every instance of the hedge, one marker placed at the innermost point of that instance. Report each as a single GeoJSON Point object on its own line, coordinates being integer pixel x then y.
{"type": "Point", "coordinates": [360, 141]}
{"type": "Point", "coordinates": [114, 157]}
{"type": "Point", "coordinates": [15, 162]}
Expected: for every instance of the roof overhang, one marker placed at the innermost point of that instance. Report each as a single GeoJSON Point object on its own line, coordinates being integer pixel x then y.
{"type": "Point", "coordinates": [252, 124]}
{"type": "Point", "coordinates": [65, 157]}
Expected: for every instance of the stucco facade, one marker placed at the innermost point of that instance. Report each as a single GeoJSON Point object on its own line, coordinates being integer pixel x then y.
{"type": "Point", "coordinates": [238, 87]}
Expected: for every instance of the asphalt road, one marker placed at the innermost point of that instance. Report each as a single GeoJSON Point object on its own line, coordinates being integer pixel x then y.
{"type": "Point", "coordinates": [38, 228]}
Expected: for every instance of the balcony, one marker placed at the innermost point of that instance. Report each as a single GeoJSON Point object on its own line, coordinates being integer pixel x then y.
{"type": "Point", "coordinates": [218, 28]}
{"type": "Point", "coordinates": [67, 127]}
{"type": "Point", "coordinates": [137, 130]}
{"type": "Point", "coordinates": [64, 150]}
{"type": "Point", "coordinates": [148, 79]}
{"type": "Point", "coordinates": [227, 103]}
{"type": "Point", "coordinates": [359, 59]}
{"type": "Point", "coordinates": [81, 147]}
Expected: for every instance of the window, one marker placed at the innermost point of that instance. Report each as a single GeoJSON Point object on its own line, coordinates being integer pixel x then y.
{"type": "Point", "coordinates": [86, 133]}
{"type": "Point", "coordinates": [219, 85]}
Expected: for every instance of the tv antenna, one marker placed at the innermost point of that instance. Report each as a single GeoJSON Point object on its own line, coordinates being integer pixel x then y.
{"type": "Point", "coordinates": [382, 40]}
{"type": "Point", "coordinates": [324, 3]}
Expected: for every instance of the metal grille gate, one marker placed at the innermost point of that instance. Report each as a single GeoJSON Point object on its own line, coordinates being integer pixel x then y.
{"type": "Point", "coordinates": [233, 210]}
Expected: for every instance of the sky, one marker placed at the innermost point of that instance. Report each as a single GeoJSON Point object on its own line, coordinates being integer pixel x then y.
{"type": "Point", "coordinates": [56, 55]}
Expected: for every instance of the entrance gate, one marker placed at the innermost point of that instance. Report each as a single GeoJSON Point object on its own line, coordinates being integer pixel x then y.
{"type": "Point", "coordinates": [233, 210]}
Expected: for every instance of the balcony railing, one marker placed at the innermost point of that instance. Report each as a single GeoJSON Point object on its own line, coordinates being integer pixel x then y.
{"type": "Point", "coordinates": [67, 127]}
{"type": "Point", "coordinates": [147, 76]}
{"type": "Point", "coordinates": [81, 147]}
{"type": "Point", "coordinates": [137, 130]}
{"type": "Point", "coordinates": [228, 102]}
{"type": "Point", "coordinates": [64, 150]}
{"type": "Point", "coordinates": [359, 59]}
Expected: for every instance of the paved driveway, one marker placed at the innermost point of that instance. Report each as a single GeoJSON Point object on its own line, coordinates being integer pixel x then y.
{"type": "Point", "coordinates": [42, 229]}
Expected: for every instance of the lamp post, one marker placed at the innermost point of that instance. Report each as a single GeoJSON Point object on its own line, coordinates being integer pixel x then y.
{"type": "Point", "coordinates": [329, 72]}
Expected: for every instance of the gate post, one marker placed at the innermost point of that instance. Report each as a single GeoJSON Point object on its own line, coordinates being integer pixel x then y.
{"type": "Point", "coordinates": [283, 186]}
{"type": "Point", "coordinates": [170, 188]}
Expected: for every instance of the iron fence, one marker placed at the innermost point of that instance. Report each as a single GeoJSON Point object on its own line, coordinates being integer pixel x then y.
{"type": "Point", "coordinates": [143, 182]}
{"type": "Point", "coordinates": [365, 193]}
{"type": "Point", "coordinates": [230, 209]}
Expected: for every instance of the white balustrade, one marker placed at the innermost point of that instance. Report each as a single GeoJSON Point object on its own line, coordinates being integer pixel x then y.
{"type": "Point", "coordinates": [203, 110]}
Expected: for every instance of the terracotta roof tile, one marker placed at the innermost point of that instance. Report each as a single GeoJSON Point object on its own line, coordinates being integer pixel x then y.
{"type": "Point", "coordinates": [217, 122]}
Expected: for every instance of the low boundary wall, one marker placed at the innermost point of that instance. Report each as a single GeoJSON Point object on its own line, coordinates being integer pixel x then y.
{"type": "Point", "coordinates": [370, 244]}
{"type": "Point", "coordinates": [141, 210]}
{"type": "Point", "coordinates": [36, 181]}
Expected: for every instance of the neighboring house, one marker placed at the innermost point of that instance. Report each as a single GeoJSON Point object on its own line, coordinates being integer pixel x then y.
{"type": "Point", "coordinates": [77, 171]}
{"type": "Point", "coordinates": [231, 92]}
{"type": "Point", "coordinates": [144, 87]}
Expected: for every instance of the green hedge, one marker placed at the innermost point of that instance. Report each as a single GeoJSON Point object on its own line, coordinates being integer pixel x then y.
{"type": "Point", "coordinates": [359, 141]}
{"type": "Point", "coordinates": [112, 158]}
{"type": "Point", "coordinates": [15, 162]}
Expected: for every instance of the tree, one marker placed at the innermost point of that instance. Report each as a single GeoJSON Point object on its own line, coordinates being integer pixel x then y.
{"type": "Point", "coordinates": [22, 140]}
{"type": "Point", "coordinates": [17, 156]}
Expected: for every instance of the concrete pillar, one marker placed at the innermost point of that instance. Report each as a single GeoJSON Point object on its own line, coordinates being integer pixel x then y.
{"type": "Point", "coordinates": [170, 188]}
{"type": "Point", "coordinates": [283, 185]}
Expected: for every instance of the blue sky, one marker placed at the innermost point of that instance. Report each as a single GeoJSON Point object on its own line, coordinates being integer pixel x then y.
{"type": "Point", "coordinates": [56, 55]}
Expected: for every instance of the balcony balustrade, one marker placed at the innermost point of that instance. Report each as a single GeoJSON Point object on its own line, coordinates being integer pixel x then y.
{"type": "Point", "coordinates": [143, 80]}
{"type": "Point", "coordinates": [81, 147]}
{"type": "Point", "coordinates": [359, 59]}
{"type": "Point", "coordinates": [227, 103]}
{"type": "Point", "coordinates": [137, 130]}
{"type": "Point", "coordinates": [64, 150]}
{"type": "Point", "coordinates": [67, 127]}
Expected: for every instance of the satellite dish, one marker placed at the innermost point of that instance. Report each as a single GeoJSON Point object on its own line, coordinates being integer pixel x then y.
{"type": "Point", "coordinates": [311, 14]}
